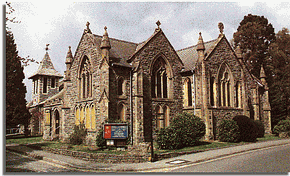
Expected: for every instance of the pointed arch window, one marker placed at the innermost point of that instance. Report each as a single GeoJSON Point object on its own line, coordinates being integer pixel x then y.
{"type": "Point", "coordinates": [120, 86]}
{"type": "Point", "coordinates": [167, 116]}
{"type": "Point", "coordinates": [238, 94]}
{"type": "Point", "coordinates": [85, 78]}
{"type": "Point", "coordinates": [93, 117]}
{"type": "Point", "coordinates": [52, 84]}
{"type": "Point", "coordinates": [45, 85]}
{"type": "Point", "coordinates": [88, 117]}
{"type": "Point", "coordinates": [77, 119]}
{"type": "Point", "coordinates": [159, 79]}
{"type": "Point", "coordinates": [225, 87]}
{"type": "Point", "coordinates": [187, 92]}
{"type": "Point", "coordinates": [159, 117]}
{"type": "Point", "coordinates": [162, 116]}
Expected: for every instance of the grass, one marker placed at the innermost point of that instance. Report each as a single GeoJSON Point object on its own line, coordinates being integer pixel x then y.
{"type": "Point", "coordinates": [201, 146]}
{"type": "Point", "coordinates": [23, 140]}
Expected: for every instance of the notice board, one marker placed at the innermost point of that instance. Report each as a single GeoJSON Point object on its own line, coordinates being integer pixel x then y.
{"type": "Point", "coordinates": [115, 131]}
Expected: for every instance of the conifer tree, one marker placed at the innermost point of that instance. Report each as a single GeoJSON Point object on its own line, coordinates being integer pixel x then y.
{"type": "Point", "coordinates": [254, 35]}
{"type": "Point", "coordinates": [16, 111]}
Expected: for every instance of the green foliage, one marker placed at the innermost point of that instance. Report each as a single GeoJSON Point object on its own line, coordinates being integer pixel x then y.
{"type": "Point", "coordinates": [79, 134]}
{"type": "Point", "coordinates": [248, 128]}
{"type": "Point", "coordinates": [228, 131]}
{"type": "Point", "coordinates": [16, 111]}
{"type": "Point", "coordinates": [100, 140]}
{"type": "Point", "coordinates": [254, 35]}
{"type": "Point", "coordinates": [260, 128]}
{"type": "Point", "coordinates": [185, 130]}
{"type": "Point", "coordinates": [282, 126]}
{"type": "Point", "coordinates": [167, 139]}
{"type": "Point", "coordinates": [279, 82]}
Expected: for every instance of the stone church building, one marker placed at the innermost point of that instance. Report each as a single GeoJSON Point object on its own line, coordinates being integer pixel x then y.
{"type": "Point", "coordinates": [145, 84]}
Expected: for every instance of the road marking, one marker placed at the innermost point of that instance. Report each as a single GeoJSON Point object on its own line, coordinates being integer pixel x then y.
{"type": "Point", "coordinates": [178, 161]}
{"type": "Point", "coordinates": [214, 159]}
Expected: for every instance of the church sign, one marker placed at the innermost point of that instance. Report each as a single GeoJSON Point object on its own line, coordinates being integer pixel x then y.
{"type": "Point", "coordinates": [115, 131]}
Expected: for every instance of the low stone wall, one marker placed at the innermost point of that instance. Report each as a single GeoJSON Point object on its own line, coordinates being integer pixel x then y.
{"type": "Point", "coordinates": [101, 157]}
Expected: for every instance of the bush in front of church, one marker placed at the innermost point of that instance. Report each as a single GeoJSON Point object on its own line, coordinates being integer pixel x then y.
{"type": "Point", "coordinates": [100, 140]}
{"type": "Point", "coordinates": [228, 131]}
{"type": "Point", "coordinates": [79, 134]}
{"type": "Point", "coordinates": [283, 126]}
{"type": "Point", "coordinates": [166, 139]}
{"type": "Point", "coordinates": [260, 128]}
{"type": "Point", "coordinates": [248, 128]}
{"type": "Point", "coordinates": [184, 130]}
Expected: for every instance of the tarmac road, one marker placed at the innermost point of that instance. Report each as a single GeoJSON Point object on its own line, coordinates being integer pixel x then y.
{"type": "Point", "coordinates": [19, 163]}
{"type": "Point", "coordinates": [271, 160]}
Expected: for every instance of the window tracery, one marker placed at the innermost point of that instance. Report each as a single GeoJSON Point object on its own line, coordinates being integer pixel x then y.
{"type": "Point", "coordinates": [85, 78]}
{"type": "Point", "coordinates": [225, 86]}
{"type": "Point", "coordinates": [159, 79]}
{"type": "Point", "coordinates": [187, 92]}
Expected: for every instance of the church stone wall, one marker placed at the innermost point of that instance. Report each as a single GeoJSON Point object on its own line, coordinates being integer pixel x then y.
{"type": "Point", "coordinates": [158, 46]}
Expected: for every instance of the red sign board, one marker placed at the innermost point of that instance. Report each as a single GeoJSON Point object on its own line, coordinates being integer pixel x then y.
{"type": "Point", "coordinates": [107, 133]}
{"type": "Point", "coordinates": [115, 131]}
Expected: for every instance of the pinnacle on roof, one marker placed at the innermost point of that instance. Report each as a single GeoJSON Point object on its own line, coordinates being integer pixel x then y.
{"type": "Point", "coordinates": [262, 72]}
{"type": "Point", "coordinates": [105, 40]}
{"type": "Point", "coordinates": [88, 28]}
{"type": "Point", "coordinates": [158, 23]}
{"type": "Point", "coordinates": [221, 27]}
{"type": "Point", "coordinates": [239, 52]}
{"type": "Point", "coordinates": [46, 67]}
{"type": "Point", "coordinates": [200, 44]}
{"type": "Point", "coordinates": [69, 56]}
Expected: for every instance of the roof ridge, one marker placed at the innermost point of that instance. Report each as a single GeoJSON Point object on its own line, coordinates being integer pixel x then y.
{"type": "Point", "coordinates": [117, 39]}
{"type": "Point", "coordinates": [195, 45]}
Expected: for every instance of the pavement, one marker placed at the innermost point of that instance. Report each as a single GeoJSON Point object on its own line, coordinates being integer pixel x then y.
{"type": "Point", "coordinates": [90, 166]}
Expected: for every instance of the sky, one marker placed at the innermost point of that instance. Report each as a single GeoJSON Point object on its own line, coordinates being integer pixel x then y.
{"type": "Point", "coordinates": [61, 24]}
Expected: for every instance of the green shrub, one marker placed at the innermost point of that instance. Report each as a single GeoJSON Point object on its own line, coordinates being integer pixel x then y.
{"type": "Point", "coordinates": [260, 128]}
{"type": "Point", "coordinates": [228, 131]}
{"type": "Point", "coordinates": [166, 139]}
{"type": "Point", "coordinates": [79, 134]}
{"type": "Point", "coordinates": [185, 130]}
{"type": "Point", "coordinates": [248, 128]}
{"type": "Point", "coordinates": [100, 140]}
{"type": "Point", "coordinates": [282, 126]}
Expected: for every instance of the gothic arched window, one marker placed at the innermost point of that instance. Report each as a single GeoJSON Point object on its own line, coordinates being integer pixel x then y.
{"type": "Point", "coordinates": [120, 86]}
{"type": "Point", "coordinates": [159, 79]}
{"type": "Point", "coordinates": [238, 94]}
{"type": "Point", "coordinates": [93, 117]}
{"type": "Point", "coordinates": [159, 117]}
{"type": "Point", "coordinates": [225, 86]}
{"type": "Point", "coordinates": [167, 115]}
{"type": "Point", "coordinates": [85, 78]}
{"type": "Point", "coordinates": [88, 117]}
{"type": "Point", "coordinates": [77, 115]}
{"type": "Point", "coordinates": [187, 92]}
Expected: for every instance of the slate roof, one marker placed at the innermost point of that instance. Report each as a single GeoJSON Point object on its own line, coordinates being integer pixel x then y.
{"type": "Point", "coordinates": [120, 49]}
{"type": "Point", "coordinates": [189, 55]}
{"type": "Point", "coordinates": [46, 68]}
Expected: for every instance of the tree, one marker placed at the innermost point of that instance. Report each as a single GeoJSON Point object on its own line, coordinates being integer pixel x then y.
{"type": "Point", "coordinates": [16, 111]}
{"type": "Point", "coordinates": [280, 76]}
{"type": "Point", "coordinates": [254, 35]}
